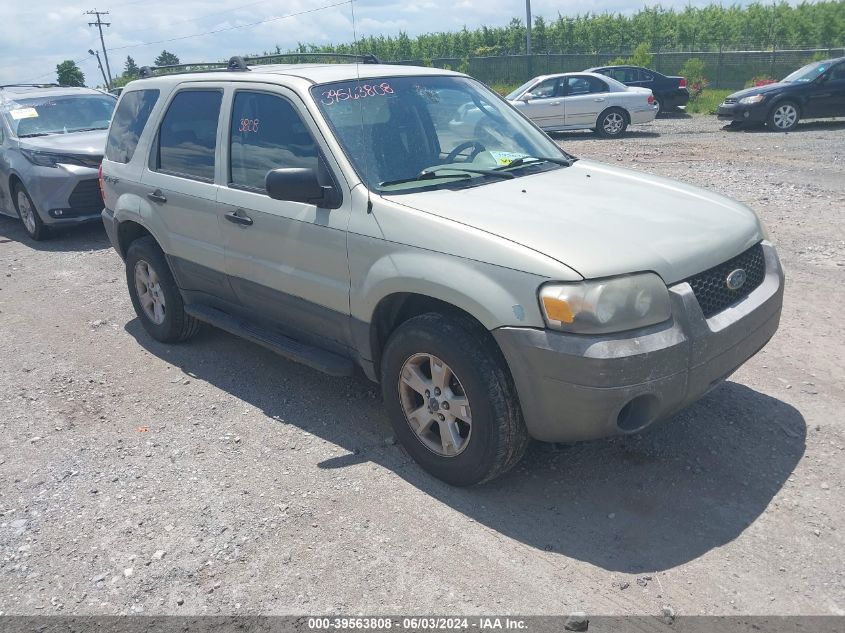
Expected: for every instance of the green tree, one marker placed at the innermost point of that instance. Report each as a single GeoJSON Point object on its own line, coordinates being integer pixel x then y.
{"type": "Point", "coordinates": [131, 68]}
{"type": "Point", "coordinates": [69, 74]}
{"type": "Point", "coordinates": [642, 56]}
{"type": "Point", "coordinates": [166, 59]}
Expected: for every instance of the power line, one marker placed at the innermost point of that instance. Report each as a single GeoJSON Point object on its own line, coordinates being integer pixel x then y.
{"type": "Point", "coordinates": [233, 28]}
{"type": "Point", "coordinates": [100, 24]}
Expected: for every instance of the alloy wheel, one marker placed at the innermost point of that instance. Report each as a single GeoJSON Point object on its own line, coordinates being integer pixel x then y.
{"type": "Point", "coordinates": [613, 123]}
{"type": "Point", "coordinates": [27, 212]}
{"type": "Point", "coordinates": [435, 404]}
{"type": "Point", "coordinates": [150, 293]}
{"type": "Point", "coordinates": [785, 116]}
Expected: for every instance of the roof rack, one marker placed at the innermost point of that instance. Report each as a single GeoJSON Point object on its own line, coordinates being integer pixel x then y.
{"type": "Point", "coordinates": [239, 64]}
{"type": "Point", "coordinates": [33, 86]}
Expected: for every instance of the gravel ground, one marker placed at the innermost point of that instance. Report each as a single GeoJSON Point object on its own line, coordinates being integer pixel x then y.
{"type": "Point", "coordinates": [215, 477]}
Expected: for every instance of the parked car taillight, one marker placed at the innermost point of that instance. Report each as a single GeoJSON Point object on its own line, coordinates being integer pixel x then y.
{"type": "Point", "coordinates": [683, 83]}
{"type": "Point", "coordinates": [102, 183]}
{"type": "Point", "coordinates": [650, 99]}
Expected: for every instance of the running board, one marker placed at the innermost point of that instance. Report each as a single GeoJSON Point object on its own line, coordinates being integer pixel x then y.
{"type": "Point", "coordinates": [291, 349]}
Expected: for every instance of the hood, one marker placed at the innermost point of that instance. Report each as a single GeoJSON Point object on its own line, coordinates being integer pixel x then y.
{"type": "Point", "coordinates": [761, 90]}
{"type": "Point", "coordinates": [602, 221]}
{"type": "Point", "coordinates": [85, 143]}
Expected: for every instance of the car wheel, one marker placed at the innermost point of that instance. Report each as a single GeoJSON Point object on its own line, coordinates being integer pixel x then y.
{"type": "Point", "coordinates": [659, 105]}
{"type": "Point", "coordinates": [155, 295]}
{"type": "Point", "coordinates": [612, 123]}
{"type": "Point", "coordinates": [451, 399]}
{"type": "Point", "coordinates": [32, 223]}
{"type": "Point", "coordinates": [784, 117]}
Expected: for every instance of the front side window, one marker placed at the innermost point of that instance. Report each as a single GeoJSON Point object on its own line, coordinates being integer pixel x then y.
{"type": "Point", "coordinates": [187, 138]}
{"type": "Point", "coordinates": [60, 114]}
{"type": "Point", "coordinates": [425, 132]}
{"type": "Point", "coordinates": [545, 89]}
{"type": "Point", "coordinates": [129, 122]}
{"type": "Point", "coordinates": [266, 133]}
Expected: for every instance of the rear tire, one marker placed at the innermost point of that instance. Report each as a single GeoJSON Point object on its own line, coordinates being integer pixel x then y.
{"type": "Point", "coordinates": [784, 117]}
{"type": "Point", "coordinates": [471, 430]}
{"type": "Point", "coordinates": [32, 223]}
{"type": "Point", "coordinates": [155, 295]}
{"type": "Point", "coordinates": [612, 123]}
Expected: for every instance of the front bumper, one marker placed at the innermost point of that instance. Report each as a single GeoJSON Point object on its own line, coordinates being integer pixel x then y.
{"type": "Point", "coordinates": [576, 387]}
{"type": "Point", "coordinates": [739, 113]}
{"type": "Point", "coordinates": [67, 194]}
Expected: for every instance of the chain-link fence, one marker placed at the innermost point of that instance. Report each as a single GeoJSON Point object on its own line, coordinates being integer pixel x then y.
{"type": "Point", "coordinates": [730, 69]}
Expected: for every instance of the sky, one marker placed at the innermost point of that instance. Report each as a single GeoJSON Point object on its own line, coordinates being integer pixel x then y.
{"type": "Point", "coordinates": [39, 34]}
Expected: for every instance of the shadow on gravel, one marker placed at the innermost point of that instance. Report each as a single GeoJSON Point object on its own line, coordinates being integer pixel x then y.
{"type": "Point", "coordinates": [90, 236]}
{"type": "Point", "coordinates": [631, 133]}
{"type": "Point", "coordinates": [633, 504]}
{"type": "Point", "coordinates": [818, 125]}
{"type": "Point", "coordinates": [674, 114]}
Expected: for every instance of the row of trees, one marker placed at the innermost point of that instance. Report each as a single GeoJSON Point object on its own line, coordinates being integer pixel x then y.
{"type": "Point", "coordinates": [761, 26]}
{"type": "Point", "coordinates": [69, 74]}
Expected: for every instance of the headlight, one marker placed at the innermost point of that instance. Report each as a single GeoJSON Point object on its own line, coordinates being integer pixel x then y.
{"type": "Point", "coordinates": [42, 159]}
{"type": "Point", "coordinates": [752, 100]}
{"type": "Point", "coordinates": [605, 305]}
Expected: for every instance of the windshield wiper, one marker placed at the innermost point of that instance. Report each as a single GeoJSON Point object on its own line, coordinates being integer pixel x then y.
{"type": "Point", "coordinates": [435, 173]}
{"type": "Point", "coordinates": [426, 175]}
{"type": "Point", "coordinates": [31, 134]}
{"type": "Point", "coordinates": [87, 129]}
{"type": "Point", "coordinates": [518, 162]}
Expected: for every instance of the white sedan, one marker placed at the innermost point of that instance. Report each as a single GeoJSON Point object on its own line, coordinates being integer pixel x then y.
{"type": "Point", "coordinates": [578, 101]}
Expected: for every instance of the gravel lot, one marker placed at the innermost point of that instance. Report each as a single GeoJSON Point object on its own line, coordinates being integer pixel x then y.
{"type": "Point", "coordinates": [215, 477]}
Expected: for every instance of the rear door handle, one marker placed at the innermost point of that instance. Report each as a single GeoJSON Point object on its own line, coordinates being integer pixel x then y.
{"type": "Point", "coordinates": [599, 99]}
{"type": "Point", "coordinates": [157, 196]}
{"type": "Point", "coordinates": [238, 217]}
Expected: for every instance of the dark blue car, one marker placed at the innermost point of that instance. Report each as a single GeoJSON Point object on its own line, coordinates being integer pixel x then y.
{"type": "Point", "coordinates": [814, 91]}
{"type": "Point", "coordinates": [669, 92]}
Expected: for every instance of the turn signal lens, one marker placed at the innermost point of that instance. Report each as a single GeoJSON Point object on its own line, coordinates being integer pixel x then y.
{"type": "Point", "coordinates": [558, 310]}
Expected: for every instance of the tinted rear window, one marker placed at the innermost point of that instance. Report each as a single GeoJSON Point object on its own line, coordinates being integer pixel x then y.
{"type": "Point", "coordinates": [128, 124]}
{"type": "Point", "coordinates": [187, 138]}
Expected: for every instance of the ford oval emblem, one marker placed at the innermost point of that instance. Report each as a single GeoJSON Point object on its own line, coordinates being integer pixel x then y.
{"type": "Point", "coordinates": [736, 279]}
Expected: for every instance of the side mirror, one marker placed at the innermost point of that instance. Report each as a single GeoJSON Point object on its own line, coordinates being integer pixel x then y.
{"type": "Point", "coordinates": [526, 97]}
{"type": "Point", "coordinates": [300, 184]}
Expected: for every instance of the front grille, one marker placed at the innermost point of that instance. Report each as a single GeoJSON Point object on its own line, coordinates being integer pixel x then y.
{"type": "Point", "coordinates": [86, 197]}
{"type": "Point", "coordinates": [711, 288]}
{"type": "Point", "coordinates": [729, 100]}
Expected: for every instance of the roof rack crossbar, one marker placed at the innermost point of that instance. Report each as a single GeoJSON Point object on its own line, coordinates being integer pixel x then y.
{"type": "Point", "coordinates": [32, 86]}
{"type": "Point", "coordinates": [239, 64]}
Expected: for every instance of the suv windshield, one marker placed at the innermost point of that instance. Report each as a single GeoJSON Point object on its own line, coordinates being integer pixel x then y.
{"type": "Point", "coordinates": [409, 133]}
{"type": "Point", "coordinates": [61, 114]}
{"type": "Point", "coordinates": [807, 73]}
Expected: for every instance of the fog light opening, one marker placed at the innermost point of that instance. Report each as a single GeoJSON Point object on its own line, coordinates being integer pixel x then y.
{"type": "Point", "coordinates": [638, 413]}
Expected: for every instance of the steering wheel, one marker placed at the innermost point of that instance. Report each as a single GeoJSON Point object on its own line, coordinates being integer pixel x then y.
{"type": "Point", "coordinates": [466, 145]}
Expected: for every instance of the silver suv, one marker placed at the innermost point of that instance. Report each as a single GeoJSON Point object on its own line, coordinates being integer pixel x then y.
{"type": "Point", "coordinates": [51, 144]}
{"type": "Point", "coordinates": [498, 288]}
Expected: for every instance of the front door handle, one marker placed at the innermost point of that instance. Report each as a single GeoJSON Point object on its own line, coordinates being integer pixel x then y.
{"type": "Point", "coordinates": [157, 196]}
{"type": "Point", "coordinates": [555, 102]}
{"type": "Point", "coordinates": [599, 99]}
{"type": "Point", "coordinates": [238, 217]}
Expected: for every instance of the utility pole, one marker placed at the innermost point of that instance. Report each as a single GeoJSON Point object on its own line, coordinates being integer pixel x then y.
{"type": "Point", "coordinates": [100, 24]}
{"type": "Point", "coordinates": [102, 72]}
{"type": "Point", "coordinates": [528, 27]}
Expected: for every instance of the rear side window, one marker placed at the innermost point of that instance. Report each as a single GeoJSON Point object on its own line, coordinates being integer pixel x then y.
{"type": "Point", "coordinates": [128, 124]}
{"type": "Point", "coordinates": [187, 138]}
{"type": "Point", "coordinates": [266, 133]}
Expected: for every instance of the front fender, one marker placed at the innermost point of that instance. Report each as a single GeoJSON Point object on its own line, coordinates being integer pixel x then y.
{"type": "Point", "coordinates": [494, 295]}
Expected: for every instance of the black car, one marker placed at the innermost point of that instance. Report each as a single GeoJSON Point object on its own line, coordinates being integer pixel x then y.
{"type": "Point", "coordinates": [669, 92]}
{"type": "Point", "coordinates": [814, 91]}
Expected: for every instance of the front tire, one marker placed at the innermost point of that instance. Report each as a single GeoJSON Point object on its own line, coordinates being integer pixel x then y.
{"type": "Point", "coordinates": [783, 117]}
{"type": "Point", "coordinates": [451, 399]}
{"type": "Point", "coordinates": [155, 295]}
{"type": "Point", "coordinates": [32, 223]}
{"type": "Point", "coordinates": [612, 123]}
